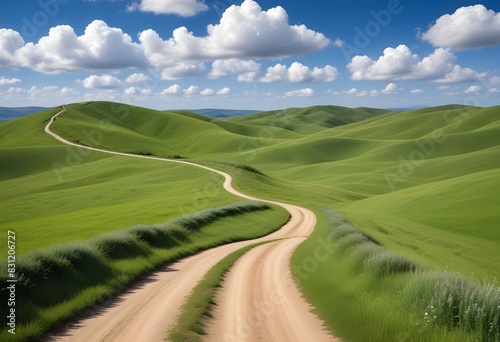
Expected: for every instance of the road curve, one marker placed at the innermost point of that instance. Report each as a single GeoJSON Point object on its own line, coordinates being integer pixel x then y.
{"type": "Point", "coordinates": [259, 300]}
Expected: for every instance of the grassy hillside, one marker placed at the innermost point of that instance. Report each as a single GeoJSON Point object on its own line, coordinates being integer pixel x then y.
{"type": "Point", "coordinates": [421, 167]}
{"type": "Point", "coordinates": [422, 183]}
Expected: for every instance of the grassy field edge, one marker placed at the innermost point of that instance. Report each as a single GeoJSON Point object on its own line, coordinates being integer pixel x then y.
{"type": "Point", "coordinates": [57, 283]}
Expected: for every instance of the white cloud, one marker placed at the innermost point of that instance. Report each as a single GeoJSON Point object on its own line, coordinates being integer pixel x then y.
{"type": "Point", "coordinates": [184, 8]}
{"type": "Point", "coordinates": [391, 88]}
{"type": "Point", "coordinates": [338, 42]}
{"type": "Point", "coordinates": [416, 91]}
{"type": "Point", "coordinates": [10, 42]}
{"type": "Point", "coordinates": [469, 27]}
{"type": "Point", "coordinates": [176, 70]}
{"type": "Point", "coordinates": [460, 74]}
{"type": "Point", "coordinates": [299, 73]}
{"type": "Point", "coordinates": [493, 90]}
{"type": "Point", "coordinates": [172, 90]}
{"type": "Point", "coordinates": [301, 92]}
{"type": "Point", "coordinates": [224, 91]}
{"type": "Point", "coordinates": [138, 78]}
{"type": "Point", "coordinates": [246, 70]}
{"type": "Point", "coordinates": [9, 81]}
{"type": "Point", "coordinates": [400, 64]}
{"type": "Point", "coordinates": [352, 91]}
{"type": "Point", "coordinates": [133, 91]}
{"type": "Point", "coordinates": [355, 92]}
{"type": "Point", "coordinates": [100, 47]}
{"type": "Point", "coordinates": [192, 90]}
{"type": "Point", "coordinates": [244, 32]}
{"type": "Point", "coordinates": [207, 92]}
{"type": "Point", "coordinates": [34, 92]}
{"type": "Point", "coordinates": [473, 89]}
{"type": "Point", "coordinates": [68, 92]}
{"type": "Point", "coordinates": [101, 82]}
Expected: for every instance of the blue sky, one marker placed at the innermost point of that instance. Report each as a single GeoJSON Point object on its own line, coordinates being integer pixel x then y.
{"type": "Point", "coordinates": [266, 54]}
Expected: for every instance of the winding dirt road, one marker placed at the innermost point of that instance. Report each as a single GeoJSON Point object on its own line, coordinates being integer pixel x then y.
{"type": "Point", "coordinates": [258, 302]}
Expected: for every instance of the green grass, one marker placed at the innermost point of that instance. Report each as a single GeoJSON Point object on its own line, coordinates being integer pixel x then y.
{"type": "Point", "coordinates": [57, 282]}
{"type": "Point", "coordinates": [190, 323]}
{"type": "Point", "coordinates": [360, 280]}
{"type": "Point", "coordinates": [422, 184]}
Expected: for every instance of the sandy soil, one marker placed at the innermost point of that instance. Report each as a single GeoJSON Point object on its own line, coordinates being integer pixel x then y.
{"type": "Point", "coordinates": [258, 302]}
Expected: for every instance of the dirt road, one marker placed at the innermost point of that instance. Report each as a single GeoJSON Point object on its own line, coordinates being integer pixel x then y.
{"type": "Point", "coordinates": [259, 300]}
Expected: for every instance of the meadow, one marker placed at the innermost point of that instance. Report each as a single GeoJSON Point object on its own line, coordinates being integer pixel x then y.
{"type": "Point", "coordinates": [416, 188]}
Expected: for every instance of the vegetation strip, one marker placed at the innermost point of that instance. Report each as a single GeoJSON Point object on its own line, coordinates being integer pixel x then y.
{"type": "Point", "coordinates": [58, 282]}
{"type": "Point", "coordinates": [416, 302]}
{"type": "Point", "coordinates": [190, 325]}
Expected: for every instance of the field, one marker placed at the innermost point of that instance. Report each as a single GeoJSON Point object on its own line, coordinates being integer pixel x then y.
{"type": "Point", "coordinates": [421, 184]}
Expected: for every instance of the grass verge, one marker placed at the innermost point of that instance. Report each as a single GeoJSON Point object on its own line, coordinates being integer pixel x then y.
{"type": "Point", "coordinates": [56, 283]}
{"type": "Point", "coordinates": [189, 326]}
{"type": "Point", "coordinates": [365, 292]}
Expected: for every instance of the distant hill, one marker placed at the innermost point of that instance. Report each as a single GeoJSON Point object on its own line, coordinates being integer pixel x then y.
{"type": "Point", "coordinates": [223, 113]}
{"type": "Point", "coordinates": [9, 113]}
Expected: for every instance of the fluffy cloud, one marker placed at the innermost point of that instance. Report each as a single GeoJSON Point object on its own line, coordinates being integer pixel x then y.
{"type": "Point", "coordinates": [224, 91]}
{"type": "Point", "coordinates": [473, 89]}
{"type": "Point", "coordinates": [10, 42]}
{"type": "Point", "coordinates": [298, 73]}
{"type": "Point", "coordinates": [184, 8]}
{"type": "Point", "coordinates": [243, 32]}
{"type": "Point", "coordinates": [137, 78]}
{"type": "Point", "coordinates": [192, 90]}
{"type": "Point", "coordinates": [300, 92]}
{"type": "Point", "coordinates": [401, 64]}
{"type": "Point", "coordinates": [100, 47]}
{"type": "Point", "coordinates": [9, 81]}
{"type": "Point", "coordinates": [416, 91]}
{"type": "Point", "coordinates": [338, 42]}
{"type": "Point", "coordinates": [101, 82]}
{"type": "Point", "coordinates": [207, 92]}
{"type": "Point", "coordinates": [469, 27]}
{"type": "Point", "coordinates": [172, 90]}
{"type": "Point", "coordinates": [48, 92]}
{"type": "Point", "coordinates": [246, 70]}
{"type": "Point", "coordinates": [133, 91]}
{"type": "Point", "coordinates": [176, 70]}
{"type": "Point", "coordinates": [391, 88]}
{"type": "Point", "coordinates": [68, 92]}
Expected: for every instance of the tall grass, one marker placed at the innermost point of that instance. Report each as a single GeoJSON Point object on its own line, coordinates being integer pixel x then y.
{"type": "Point", "coordinates": [57, 274]}
{"type": "Point", "coordinates": [452, 301]}
{"type": "Point", "coordinates": [439, 304]}
{"type": "Point", "coordinates": [366, 253]}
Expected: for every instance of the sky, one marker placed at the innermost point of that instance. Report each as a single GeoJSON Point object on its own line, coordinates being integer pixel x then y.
{"type": "Point", "coordinates": [257, 55]}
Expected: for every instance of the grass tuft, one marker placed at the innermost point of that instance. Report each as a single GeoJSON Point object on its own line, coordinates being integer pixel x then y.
{"type": "Point", "coordinates": [118, 245]}
{"type": "Point", "coordinates": [452, 301]}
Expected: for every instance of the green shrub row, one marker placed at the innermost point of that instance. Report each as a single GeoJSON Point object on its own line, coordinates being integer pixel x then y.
{"type": "Point", "coordinates": [435, 298]}
{"type": "Point", "coordinates": [50, 276]}
{"type": "Point", "coordinates": [367, 254]}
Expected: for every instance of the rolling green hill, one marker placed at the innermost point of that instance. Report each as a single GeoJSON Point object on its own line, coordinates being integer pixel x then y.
{"type": "Point", "coordinates": [419, 166]}
{"type": "Point", "coordinates": [394, 161]}
{"type": "Point", "coordinates": [423, 183]}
